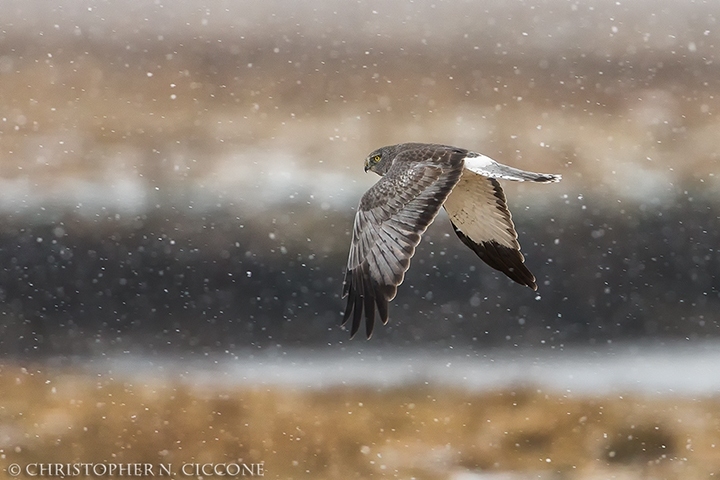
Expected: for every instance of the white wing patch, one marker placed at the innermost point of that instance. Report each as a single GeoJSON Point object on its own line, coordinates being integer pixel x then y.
{"type": "Point", "coordinates": [475, 209]}
{"type": "Point", "coordinates": [486, 166]}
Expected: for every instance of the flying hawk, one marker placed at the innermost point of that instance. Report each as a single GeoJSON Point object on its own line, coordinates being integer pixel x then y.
{"type": "Point", "coordinates": [417, 179]}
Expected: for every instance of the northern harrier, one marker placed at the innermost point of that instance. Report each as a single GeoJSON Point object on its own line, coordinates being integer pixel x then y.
{"type": "Point", "coordinates": [417, 179]}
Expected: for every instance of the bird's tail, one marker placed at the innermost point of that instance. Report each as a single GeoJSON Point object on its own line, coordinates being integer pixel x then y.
{"type": "Point", "coordinates": [486, 166]}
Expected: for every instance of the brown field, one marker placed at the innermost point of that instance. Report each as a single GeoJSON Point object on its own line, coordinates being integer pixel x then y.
{"type": "Point", "coordinates": [627, 117]}
{"type": "Point", "coordinates": [418, 431]}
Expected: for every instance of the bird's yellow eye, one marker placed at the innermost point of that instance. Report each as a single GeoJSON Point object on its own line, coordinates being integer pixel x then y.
{"type": "Point", "coordinates": [376, 159]}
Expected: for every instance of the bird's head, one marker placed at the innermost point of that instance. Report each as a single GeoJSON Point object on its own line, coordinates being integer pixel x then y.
{"type": "Point", "coordinates": [380, 160]}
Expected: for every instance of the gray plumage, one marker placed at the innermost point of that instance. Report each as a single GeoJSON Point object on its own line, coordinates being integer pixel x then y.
{"type": "Point", "coordinates": [417, 179]}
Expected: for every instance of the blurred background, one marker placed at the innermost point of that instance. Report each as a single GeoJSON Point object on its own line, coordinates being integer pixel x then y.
{"type": "Point", "coordinates": [178, 182]}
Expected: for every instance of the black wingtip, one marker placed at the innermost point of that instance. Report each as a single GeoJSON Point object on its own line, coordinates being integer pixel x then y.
{"type": "Point", "coordinates": [364, 297]}
{"type": "Point", "coordinates": [382, 306]}
{"type": "Point", "coordinates": [369, 311]}
{"type": "Point", "coordinates": [357, 314]}
{"type": "Point", "coordinates": [505, 259]}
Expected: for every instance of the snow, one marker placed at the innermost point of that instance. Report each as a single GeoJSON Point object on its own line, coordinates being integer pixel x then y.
{"type": "Point", "coordinates": [688, 369]}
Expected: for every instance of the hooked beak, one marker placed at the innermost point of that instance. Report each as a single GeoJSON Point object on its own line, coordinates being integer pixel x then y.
{"type": "Point", "coordinates": [367, 166]}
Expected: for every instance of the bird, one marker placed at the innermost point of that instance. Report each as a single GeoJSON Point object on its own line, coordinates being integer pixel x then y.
{"type": "Point", "coordinates": [416, 180]}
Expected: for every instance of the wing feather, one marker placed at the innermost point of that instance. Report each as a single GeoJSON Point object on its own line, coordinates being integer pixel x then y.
{"type": "Point", "coordinates": [391, 218]}
{"type": "Point", "coordinates": [386, 264]}
{"type": "Point", "coordinates": [480, 217]}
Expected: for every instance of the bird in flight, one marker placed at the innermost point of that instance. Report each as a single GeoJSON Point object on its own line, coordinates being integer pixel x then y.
{"type": "Point", "coordinates": [418, 179]}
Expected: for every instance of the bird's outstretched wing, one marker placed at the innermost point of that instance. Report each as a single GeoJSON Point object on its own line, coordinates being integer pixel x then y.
{"type": "Point", "coordinates": [479, 214]}
{"type": "Point", "coordinates": [391, 218]}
